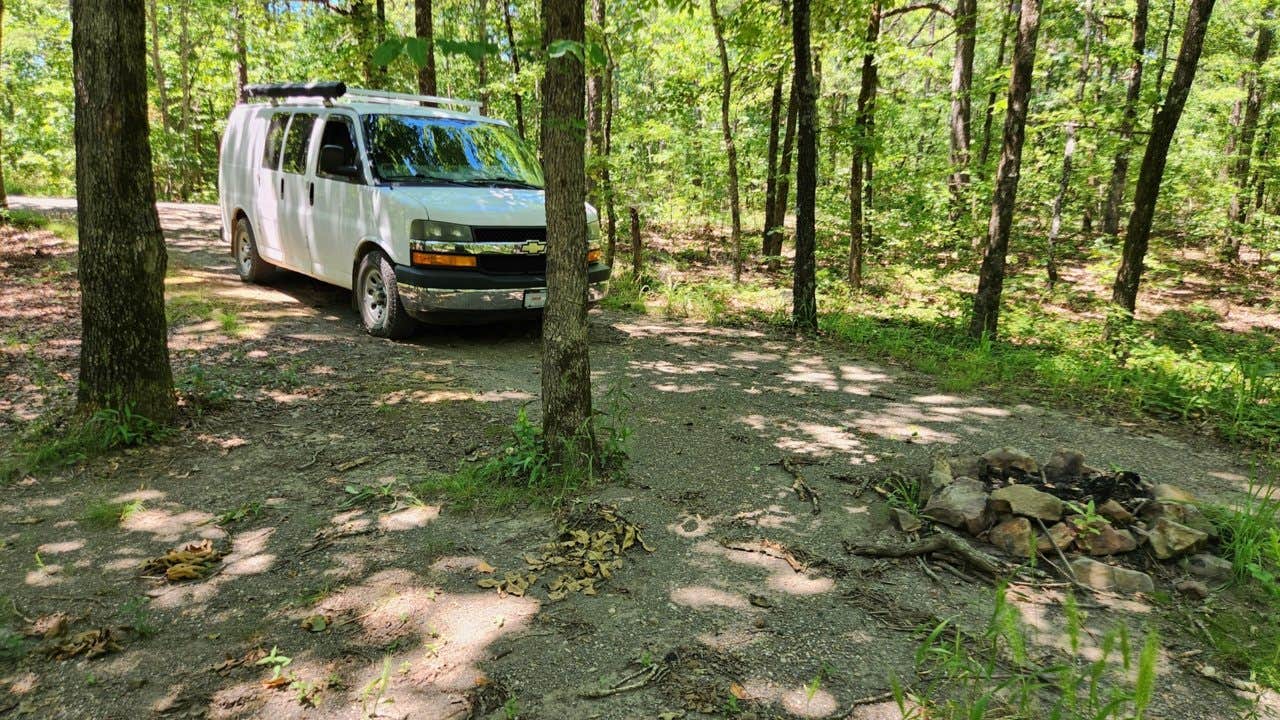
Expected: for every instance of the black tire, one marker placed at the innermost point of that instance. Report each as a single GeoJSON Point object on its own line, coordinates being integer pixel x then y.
{"type": "Point", "coordinates": [378, 301]}
{"type": "Point", "coordinates": [244, 249]}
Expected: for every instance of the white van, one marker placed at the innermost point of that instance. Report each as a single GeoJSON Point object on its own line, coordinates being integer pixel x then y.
{"type": "Point", "coordinates": [424, 208]}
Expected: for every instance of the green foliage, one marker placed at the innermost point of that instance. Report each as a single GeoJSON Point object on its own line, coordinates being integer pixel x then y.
{"type": "Point", "coordinates": [23, 219]}
{"type": "Point", "coordinates": [1250, 536]}
{"type": "Point", "coordinates": [49, 446]}
{"type": "Point", "coordinates": [106, 514]}
{"type": "Point", "coordinates": [992, 674]}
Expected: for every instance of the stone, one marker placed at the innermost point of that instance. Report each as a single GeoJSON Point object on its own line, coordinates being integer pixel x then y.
{"type": "Point", "coordinates": [962, 504]}
{"type": "Point", "coordinates": [1064, 465]}
{"type": "Point", "coordinates": [905, 521]}
{"type": "Point", "coordinates": [1001, 461]}
{"type": "Point", "coordinates": [1026, 501]}
{"type": "Point", "coordinates": [1103, 539]}
{"type": "Point", "coordinates": [1013, 536]}
{"type": "Point", "coordinates": [1208, 567]}
{"type": "Point", "coordinates": [1171, 539]}
{"type": "Point", "coordinates": [1101, 576]}
{"type": "Point", "coordinates": [1173, 493]}
{"type": "Point", "coordinates": [1189, 515]}
{"type": "Point", "coordinates": [939, 477]}
{"type": "Point", "coordinates": [969, 466]}
{"type": "Point", "coordinates": [1061, 535]}
{"type": "Point", "coordinates": [1115, 512]}
{"type": "Point", "coordinates": [1193, 589]}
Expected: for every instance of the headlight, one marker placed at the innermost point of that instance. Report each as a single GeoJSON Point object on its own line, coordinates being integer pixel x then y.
{"type": "Point", "coordinates": [593, 234]}
{"type": "Point", "coordinates": [439, 231]}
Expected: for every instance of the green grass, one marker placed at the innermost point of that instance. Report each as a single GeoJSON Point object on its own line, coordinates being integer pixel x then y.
{"type": "Point", "coordinates": [1250, 536]}
{"type": "Point", "coordinates": [23, 219]}
{"type": "Point", "coordinates": [105, 514]}
{"type": "Point", "coordinates": [51, 446]}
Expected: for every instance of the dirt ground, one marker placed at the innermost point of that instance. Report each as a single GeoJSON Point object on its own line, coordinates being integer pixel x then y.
{"type": "Point", "coordinates": [309, 404]}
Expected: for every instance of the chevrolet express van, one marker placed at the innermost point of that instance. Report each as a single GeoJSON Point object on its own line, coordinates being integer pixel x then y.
{"type": "Point", "coordinates": [420, 205]}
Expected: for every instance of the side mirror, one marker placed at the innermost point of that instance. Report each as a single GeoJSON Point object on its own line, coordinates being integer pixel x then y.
{"type": "Point", "coordinates": [333, 161]}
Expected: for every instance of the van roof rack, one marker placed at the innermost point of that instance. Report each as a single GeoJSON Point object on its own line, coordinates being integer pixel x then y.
{"type": "Point", "coordinates": [330, 91]}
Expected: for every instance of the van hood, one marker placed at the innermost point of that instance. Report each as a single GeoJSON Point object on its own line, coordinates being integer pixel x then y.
{"type": "Point", "coordinates": [481, 206]}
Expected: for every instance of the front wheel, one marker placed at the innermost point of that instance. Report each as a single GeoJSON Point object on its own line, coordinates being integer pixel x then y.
{"type": "Point", "coordinates": [378, 299]}
{"type": "Point", "coordinates": [249, 264]}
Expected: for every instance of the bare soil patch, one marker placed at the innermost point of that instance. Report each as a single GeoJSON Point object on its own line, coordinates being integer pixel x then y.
{"type": "Point", "coordinates": [748, 592]}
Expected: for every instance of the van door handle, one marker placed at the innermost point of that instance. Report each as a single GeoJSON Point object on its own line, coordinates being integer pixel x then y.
{"type": "Point", "coordinates": [281, 188]}
{"type": "Point", "coordinates": [311, 192]}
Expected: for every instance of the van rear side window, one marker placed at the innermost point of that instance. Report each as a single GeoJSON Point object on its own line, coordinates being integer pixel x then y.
{"type": "Point", "coordinates": [275, 136]}
{"type": "Point", "coordinates": [296, 142]}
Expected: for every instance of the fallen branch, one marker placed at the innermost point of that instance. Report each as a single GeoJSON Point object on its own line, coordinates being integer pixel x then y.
{"type": "Point", "coordinates": [940, 541]}
{"type": "Point", "coordinates": [801, 488]}
{"type": "Point", "coordinates": [647, 674]}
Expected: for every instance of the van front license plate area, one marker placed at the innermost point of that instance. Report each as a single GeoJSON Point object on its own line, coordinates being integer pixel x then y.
{"type": "Point", "coordinates": [535, 299]}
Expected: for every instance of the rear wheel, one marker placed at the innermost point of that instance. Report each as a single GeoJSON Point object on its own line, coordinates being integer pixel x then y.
{"type": "Point", "coordinates": [249, 264]}
{"type": "Point", "coordinates": [378, 299]}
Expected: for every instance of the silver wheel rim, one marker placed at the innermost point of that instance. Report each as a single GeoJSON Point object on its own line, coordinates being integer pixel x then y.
{"type": "Point", "coordinates": [373, 296]}
{"type": "Point", "coordinates": [244, 253]}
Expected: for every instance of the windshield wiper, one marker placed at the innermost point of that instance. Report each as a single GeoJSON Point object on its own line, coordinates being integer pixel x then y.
{"type": "Point", "coordinates": [501, 181]}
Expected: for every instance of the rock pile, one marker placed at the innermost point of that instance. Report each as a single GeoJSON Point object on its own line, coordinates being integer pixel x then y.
{"type": "Point", "coordinates": [1021, 507]}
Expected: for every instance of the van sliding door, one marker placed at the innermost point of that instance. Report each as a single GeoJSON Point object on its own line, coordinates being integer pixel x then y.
{"type": "Point", "coordinates": [266, 225]}
{"type": "Point", "coordinates": [295, 193]}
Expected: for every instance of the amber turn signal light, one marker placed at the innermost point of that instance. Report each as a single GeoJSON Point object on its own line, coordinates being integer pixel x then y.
{"type": "Point", "coordinates": [594, 255]}
{"type": "Point", "coordinates": [442, 260]}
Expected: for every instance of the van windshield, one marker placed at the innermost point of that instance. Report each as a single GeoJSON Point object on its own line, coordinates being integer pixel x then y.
{"type": "Point", "coordinates": [449, 151]}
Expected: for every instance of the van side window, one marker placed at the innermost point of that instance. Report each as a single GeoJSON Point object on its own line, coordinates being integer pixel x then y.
{"type": "Point", "coordinates": [295, 143]}
{"type": "Point", "coordinates": [339, 131]}
{"type": "Point", "coordinates": [275, 136]}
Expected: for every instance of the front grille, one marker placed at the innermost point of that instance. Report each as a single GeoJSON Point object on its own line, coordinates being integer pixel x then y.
{"type": "Point", "coordinates": [513, 264]}
{"type": "Point", "coordinates": [509, 234]}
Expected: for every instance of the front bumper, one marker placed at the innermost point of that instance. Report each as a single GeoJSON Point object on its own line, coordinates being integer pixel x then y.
{"type": "Point", "coordinates": [439, 294]}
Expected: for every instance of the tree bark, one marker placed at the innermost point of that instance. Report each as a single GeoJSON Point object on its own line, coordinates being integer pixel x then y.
{"type": "Point", "coordinates": [771, 164]}
{"type": "Point", "coordinates": [966, 17]}
{"type": "Point", "coordinates": [595, 114]}
{"type": "Point", "coordinates": [1255, 85]}
{"type": "Point", "coordinates": [780, 200]}
{"type": "Point", "coordinates": [986, 302]}
{"type": "Point", "coordinates": [637, 251]}
{"type": "Point", "coordinates": [422, 26]}
{"type": "Point", "coordinates": [241, 48]}
{"type": "Point", "coordinates": [1125, 291]}
{"type": "Point", "coordinates": [609, 200]}
{"type": "Point", "coordinates": [566, 365]}
{"type": "Point", "coordinates": [804, 303]}
{"type": "Point", "coordinates": [863, 144]}
{"type": "Point", "coordinates": [1164, 55]}
{"type": "Point", "coordinates": [989, 116]}
{"type": "Point", "coordinates": [124, 357]}
{"type": "Point", "coordinates": [515, 63]}
{"type": "Point", "coordinates": [482, 64]}
{"type": "Point", "coordinates": [731, 151]}
{"type": "Point", "coordinates": [1133, 94]}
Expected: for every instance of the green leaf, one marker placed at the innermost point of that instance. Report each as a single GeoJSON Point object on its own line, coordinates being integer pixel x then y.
{"type": "Point", "coordinates": [561, 47]}
{"type": "Point", "coordinates": [476, 51]}
{"type": "Point", "coordinates": [416, 48]}
{"type": "Point", "coordinates": [386, 52]}
{"type": "Point", "coordinates": [596, 56]}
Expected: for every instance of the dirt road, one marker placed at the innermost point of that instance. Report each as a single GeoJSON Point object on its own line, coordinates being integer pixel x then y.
{"type": "Point", "coordinates": [308, 406]}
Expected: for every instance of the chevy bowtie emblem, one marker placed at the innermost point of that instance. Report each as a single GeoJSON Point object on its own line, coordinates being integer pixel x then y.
{"type": "Point", "coordinates": [533, 247]}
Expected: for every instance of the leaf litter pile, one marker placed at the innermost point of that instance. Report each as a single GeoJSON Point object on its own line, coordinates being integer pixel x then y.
{"type": "Point", "coordinates": [588, 548]}
{"type": "Point", "coordinates": [195, 561]}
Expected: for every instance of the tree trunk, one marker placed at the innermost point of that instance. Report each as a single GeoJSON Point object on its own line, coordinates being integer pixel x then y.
{"type": "Point", "coordinates": [1068, 154]}
{"type": "Point", "coordinates": [566, 365]}
{"type": "Point", "coordinates": [610, 212]}
{"type": "Point", "coordinates": [422, 27]}
{"type": "Point", "coordinates": [1125, 291]}
{"type": "Point", "coordinates": [771, 163]}
{"type": "Point", "coordinates": [4, 196]}
{"type": "Point", "coordinates": [780, 204]}
{"type": "Point", "coordinates": [863, 140]}
{"type": "Point", "coordinates": [966, 18]}
{"type": "Point", "coordinates": [1133, 94]}
{"type": "Point", "coordinates": [726, 94]}
{"type": "Point", "coordinates": [124, 356]}
{"type": "Point", "coordinates": [157, 69]}
{"type": "Point", "coordinates": [1164, 56]}
{"type": "Point", "coordinates": [482, 64]}
{"type": "Point", "coordinates": [637, 251]}
{"type": "Point", "coordinates": [1236, 212]}
{"type": "Point", "coordinates": [595, 114]}
{"type": "Point", "coordinates": [986, 302]}
{"type": "Point", "coordinates": [185, 164]}
{"type": "Point", "coordinates": [241, 48]}
{"type": "Point", "coordinates": [991, 97]}
{"type": "Point", "coordinates": [515, 63]}
{"type": "Point", "coordinates": [804, 302]}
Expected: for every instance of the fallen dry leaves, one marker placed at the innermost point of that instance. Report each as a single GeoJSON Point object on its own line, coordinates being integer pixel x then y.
{"type": "Point", "coordinates": [195, 561]}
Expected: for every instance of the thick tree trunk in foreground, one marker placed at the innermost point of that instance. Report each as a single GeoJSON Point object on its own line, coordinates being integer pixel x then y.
{"type": "Point", "coordinates": [731, 151]}
{"type": "Point", "coordinates": [1256, 86]}
{"type": "Point", "coordinates": [966, 19]}
{"type": "Point", "coordinates": [804, 303]}
{"type": "Point", "coordinates": [986, 302]}
{"type": "Point", "coordinates": [863, 139]}
{"type": "Point", "coordinates": [1125, 291]}
{"type": "Point", "coordinates": [422, 27]}
{"type": "Point", "coordinates": [1133, 94]}
{"type": "Point", "coordinates": [124, 355]}
{"type": "Point", "coordinates": [566, 365]}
